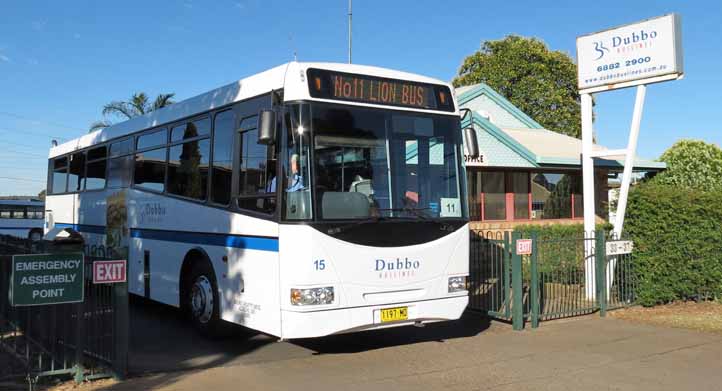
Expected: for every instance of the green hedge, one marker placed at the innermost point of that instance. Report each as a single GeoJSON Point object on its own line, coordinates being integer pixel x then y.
{"type": "Point", "coordinates": [677, 236]}
{"type": "Point", "coordinates": [560, 250]}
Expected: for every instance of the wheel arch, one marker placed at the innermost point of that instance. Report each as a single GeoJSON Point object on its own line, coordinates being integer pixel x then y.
{"type": "Point", "coordinates": [193, 256]}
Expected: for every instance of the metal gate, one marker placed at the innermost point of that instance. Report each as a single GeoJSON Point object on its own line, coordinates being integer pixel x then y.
{"type": "Point", "coordinates": [84, 340]}
{"type": "Point", "coordinates": [562, 276]}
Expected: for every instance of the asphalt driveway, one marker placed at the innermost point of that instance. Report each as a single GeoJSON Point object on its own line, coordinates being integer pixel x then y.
{"type": "Point", "coordinates": [588, 353]}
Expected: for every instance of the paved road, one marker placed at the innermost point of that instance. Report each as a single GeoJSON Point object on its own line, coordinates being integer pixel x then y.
{"type": "Point", "coordinates": [581, 354]}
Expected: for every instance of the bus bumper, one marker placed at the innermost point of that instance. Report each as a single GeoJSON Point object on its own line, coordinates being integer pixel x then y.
{"type": "Point", "coordinates": [309, 324]}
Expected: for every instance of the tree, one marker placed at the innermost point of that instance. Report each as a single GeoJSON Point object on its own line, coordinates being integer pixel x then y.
{"type": "Point", "coordinates": [692, 164]}
{"type": "Point", "coordinates": [138, 104]}
{"type": "Point", "coordinates": [42, 194]}
{"type": "Point", "coordinates": [540, 82]}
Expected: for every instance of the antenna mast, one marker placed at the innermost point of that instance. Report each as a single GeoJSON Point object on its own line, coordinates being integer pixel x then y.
{"type": "Point", "coordinates": [350, 15]}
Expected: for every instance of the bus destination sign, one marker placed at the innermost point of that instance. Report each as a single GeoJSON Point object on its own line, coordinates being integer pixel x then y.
{"type": "Point", "coordinates": [378, 90]}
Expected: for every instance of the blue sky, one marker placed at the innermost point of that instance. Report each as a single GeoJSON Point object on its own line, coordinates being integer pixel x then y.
{"type": "Point", "coordinates": [61, 61]}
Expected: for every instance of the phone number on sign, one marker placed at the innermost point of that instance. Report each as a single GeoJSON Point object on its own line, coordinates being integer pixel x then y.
{"type": "Point", "coordinates": [627, 63]}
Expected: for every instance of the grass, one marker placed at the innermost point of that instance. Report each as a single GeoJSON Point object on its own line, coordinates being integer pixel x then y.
{"type": "Point", "coordinates": [703, 316]}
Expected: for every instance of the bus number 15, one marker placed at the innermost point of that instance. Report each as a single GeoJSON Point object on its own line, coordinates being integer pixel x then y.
{"type": "Point", "coordinates": [320, 264]}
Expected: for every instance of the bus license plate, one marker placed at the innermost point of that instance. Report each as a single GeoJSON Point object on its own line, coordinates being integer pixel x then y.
{"type": "Point", "coordinates": [394, 314]}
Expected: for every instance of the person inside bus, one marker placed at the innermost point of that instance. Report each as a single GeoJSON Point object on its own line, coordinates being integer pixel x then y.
{"type": "Point", "coordinates": [295, 179]}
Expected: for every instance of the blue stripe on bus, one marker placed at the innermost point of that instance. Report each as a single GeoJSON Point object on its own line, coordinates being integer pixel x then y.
{"type": "Point", "coordinates": [212, 239]}
{"type": "Point", "coordinates": [21, 227]}
{"type": "Point", "coordinates": [236, 241]}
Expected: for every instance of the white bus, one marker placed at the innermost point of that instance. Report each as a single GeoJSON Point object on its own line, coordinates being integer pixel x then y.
{"type": "Point", "coordinates": [303, 201]}
{"type": "Point", "coordinates": [22, 218]}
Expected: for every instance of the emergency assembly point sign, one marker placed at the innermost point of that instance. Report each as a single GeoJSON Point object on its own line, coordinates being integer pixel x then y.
{"type": "Point", "coordinates": [47, 279]}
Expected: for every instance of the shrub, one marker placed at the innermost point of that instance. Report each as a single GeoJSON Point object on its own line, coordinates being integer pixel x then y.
{"type": "Point", "coordinates": [677, 235]}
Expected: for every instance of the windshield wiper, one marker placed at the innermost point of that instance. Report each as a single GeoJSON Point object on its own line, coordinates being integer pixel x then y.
{"type": "Point", "coordinates": [415, 211]}
{"type": "Point", "coordinates": [372, 219]}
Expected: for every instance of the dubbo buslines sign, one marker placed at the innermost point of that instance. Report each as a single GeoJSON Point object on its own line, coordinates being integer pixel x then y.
{"type": "Point", "coordinates": [40, 279]}
{"type": "Point", "coordinates": [631, 54]}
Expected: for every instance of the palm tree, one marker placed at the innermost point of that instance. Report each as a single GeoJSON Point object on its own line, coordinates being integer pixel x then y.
{"type": "Point", "coordinates": [139, 104]}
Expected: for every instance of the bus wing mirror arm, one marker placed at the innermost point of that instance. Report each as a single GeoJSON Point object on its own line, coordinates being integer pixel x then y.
{"type": "Point", "coordinates": [267, 127]}
{"type": "Point", "coordinates": [471, 142]}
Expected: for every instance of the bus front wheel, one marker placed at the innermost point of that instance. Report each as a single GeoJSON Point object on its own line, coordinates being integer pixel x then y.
{"type": "Point", "coordinates": [201, 301]}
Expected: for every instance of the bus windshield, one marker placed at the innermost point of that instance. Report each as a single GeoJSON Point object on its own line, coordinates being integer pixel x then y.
{"type": "Point", "coordinates": [378, 163]}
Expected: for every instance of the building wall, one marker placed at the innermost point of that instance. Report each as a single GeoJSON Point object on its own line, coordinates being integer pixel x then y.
{"type": "Point", "coordinates": [499, 115]}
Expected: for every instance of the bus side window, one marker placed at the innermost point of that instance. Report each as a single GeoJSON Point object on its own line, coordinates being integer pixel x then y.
{"type": "Point", "coordinates": [221, 171]}
{"type": "Point", "coordinates": [96, 168]}
{"type": "Point", "coordinates": [59, 176]}
{"type": "Point", "coordinates": [257, 170]}
{"type": "Point", "coordinates": [76, 172]}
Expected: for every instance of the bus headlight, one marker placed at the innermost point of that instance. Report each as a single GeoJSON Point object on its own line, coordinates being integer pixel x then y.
{"type": "Point", "coordinates": [312, 296]}
{"type": "Point", "coordinates": [457, 284]}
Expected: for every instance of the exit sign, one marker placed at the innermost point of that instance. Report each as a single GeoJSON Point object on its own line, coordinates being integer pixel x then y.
{"type": "Point", "coordinates": [109, 272]}
{"type": "Point", "coordinates": [523, 246]}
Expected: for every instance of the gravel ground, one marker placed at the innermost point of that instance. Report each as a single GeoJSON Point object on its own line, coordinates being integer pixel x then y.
{"type": "Point", "coordinates": [704, 316]}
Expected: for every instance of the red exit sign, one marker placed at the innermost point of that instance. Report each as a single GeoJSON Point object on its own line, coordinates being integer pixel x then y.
{"type": "Point", "coordinates": [523, 247]}
{"type": "Point", "coordinates": [109, 272]}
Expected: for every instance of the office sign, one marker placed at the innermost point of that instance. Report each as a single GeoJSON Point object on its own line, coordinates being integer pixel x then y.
{"type": "Point", "coordinates": [40, 279]}
{"type": "Point", "coordinates": [638, 53]}
{"type": "Point", "coordinates": [109, 272]}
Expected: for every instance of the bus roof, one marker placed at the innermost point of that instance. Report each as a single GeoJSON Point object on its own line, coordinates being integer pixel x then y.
{"type": "Point", "coordinates": [289, 76]}
{"type": "Point", "coordinates": [22, 202]}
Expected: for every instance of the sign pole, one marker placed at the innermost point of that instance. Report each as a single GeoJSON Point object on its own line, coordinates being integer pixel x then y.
{"type": "Point", "coordinates": [626, 177]}
{"type": "Point", "coordinates": [588, 185]}
{"type": "Point", "coordinates": [629, 160]}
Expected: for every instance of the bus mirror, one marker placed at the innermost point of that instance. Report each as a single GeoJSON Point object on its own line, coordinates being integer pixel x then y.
{"type": "Point", "coordinates": [267, 127]}
{"type": "Point", "coordinates": [465, 113]}
{"type": "Point", "coordinates": [471, 142]}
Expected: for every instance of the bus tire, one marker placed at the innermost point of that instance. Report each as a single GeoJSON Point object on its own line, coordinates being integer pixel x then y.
{"type": "Point", "coordinates": [35, 235]}
{"type": "Point", "coordinates": [201, 301]}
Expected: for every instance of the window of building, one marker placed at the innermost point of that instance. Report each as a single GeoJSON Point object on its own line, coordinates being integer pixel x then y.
{"type": "Point", "coordinates": [222, 167]}
{"type": "Point", "coordinates": [520, 195]}
{"type": "Point", "coordinates": [520, 188]}
{"type": "Point", "coordinates": [551, 196]}
{"type": "Point", "coordinates": [76, 172]}
{"type": "Point", "coordinates": [6, 214]}
{"type": "Point", "coordinates": [188, 169]}
{"type": "Point", "coordinates": [494, 193]}
{"type": "Point", "coordinates": [150, 167]}
{"type": "Point", "coordinates": [153, 139]}
{"type": "Point", "coordinates": [59, 175]}
{"type": "Point", "coordinates": [96, 168]}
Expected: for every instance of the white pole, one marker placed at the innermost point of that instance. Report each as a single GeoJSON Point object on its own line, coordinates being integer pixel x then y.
{"type": "Point", "coordinates": [350, 16]}
{"type": "Point", "coordinates": [626, 177]}
{"type": "Point", "coordinates": [629, 159]}
{"type": "Point", "coordinates": [588, 189]}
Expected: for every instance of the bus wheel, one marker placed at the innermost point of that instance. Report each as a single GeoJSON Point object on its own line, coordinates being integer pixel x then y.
{"type": "Point", "coordinates": [35, 236]}
{"type": "Point", "coordinates": [202, 299]}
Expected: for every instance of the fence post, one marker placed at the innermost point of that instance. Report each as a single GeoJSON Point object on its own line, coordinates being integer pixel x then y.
{"type": "Point", "coordinates": [507, 274]}
{"type": "Point", "coordinates": [516, 286]}
{"type": "Point", "coordinates": [600, 255]}
{"type": "Point", "coordinates": [534, 292]}
{"type": "Point", "coordinates": [122, 323]}
{"type": "Point", "coordinates": [79, 341]}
